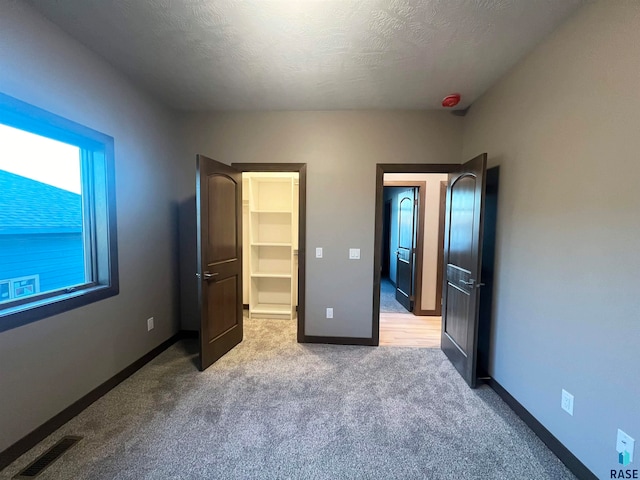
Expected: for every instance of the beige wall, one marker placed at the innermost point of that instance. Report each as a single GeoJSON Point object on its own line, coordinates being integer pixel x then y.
{"type": "Point", "coordinates": [564, 127]}
{"type": "Point", "coordinates": [341, 150]}
{"type": "Point", "coordinates": [431, 228]}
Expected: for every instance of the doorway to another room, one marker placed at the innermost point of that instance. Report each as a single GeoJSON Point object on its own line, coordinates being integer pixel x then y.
{"type": "Point", "coordinates": [411, 259]}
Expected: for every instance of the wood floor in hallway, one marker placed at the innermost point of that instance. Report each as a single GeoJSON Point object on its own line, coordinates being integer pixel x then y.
{"type": "Point", "coordinates": [408, 330]}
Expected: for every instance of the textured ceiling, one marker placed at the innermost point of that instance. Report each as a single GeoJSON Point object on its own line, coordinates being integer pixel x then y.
{"type": "Point", "coordinates": [310, 54]}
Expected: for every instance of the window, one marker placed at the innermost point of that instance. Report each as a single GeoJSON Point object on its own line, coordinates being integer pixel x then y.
{"type": "Point", "coordinates": [57, 215]}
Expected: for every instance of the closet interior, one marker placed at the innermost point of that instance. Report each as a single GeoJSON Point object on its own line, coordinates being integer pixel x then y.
{"type": "Point", "coordinates": [270, 243]}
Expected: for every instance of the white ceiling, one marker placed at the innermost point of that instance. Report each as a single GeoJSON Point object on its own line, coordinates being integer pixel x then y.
{"type": "Point", "coordinates": [310, 54]}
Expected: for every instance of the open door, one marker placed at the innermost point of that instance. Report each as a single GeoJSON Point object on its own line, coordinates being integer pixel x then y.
{"type": "Point", "coordinates": [219, 220]}
{"type": "Point", "coordinates": [463, 262]}
{"type": "Point", "coordinates": [405, 262]}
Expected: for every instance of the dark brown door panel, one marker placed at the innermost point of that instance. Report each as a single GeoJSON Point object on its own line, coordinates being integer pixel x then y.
{"type": "Point", "coordinates": [219, 204]}
{"type": "Point", "coordinates": [463, 265]}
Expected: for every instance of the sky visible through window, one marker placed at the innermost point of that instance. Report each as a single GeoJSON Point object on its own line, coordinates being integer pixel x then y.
{"type": "Point", "coordinates": [40, 158]}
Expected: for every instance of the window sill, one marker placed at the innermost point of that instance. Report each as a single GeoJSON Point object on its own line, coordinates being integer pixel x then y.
{"type": "Point", "coordinates": [18, 315]}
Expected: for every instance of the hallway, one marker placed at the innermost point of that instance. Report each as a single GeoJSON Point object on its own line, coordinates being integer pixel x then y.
{"type": "Point", "coordinates": [401, 328]}
{"type": "Point", "coordinates": [388, 302]}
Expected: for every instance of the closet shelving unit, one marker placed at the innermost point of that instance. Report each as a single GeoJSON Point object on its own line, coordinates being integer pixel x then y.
{"type": "Point", "coordinates": [271, 246]}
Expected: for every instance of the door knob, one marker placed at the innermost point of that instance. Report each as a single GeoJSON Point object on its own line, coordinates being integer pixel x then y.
{"type": "Point", "coordinates": [207, 275]}
{"type": "Point", "coordinates": [471, 283]}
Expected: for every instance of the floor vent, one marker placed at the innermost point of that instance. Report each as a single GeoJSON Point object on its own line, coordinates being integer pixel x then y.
{"type": "Point", "coordinates": [36, 467]}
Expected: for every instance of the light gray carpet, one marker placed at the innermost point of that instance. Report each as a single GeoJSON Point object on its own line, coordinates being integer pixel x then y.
{"type": "Point", "coordinates": [275, 409]}
{"type": "Point", "coordinates": [388, 302]}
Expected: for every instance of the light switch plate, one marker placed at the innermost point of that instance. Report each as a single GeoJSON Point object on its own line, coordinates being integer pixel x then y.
{"type": "Point", "coordinates": [150, 324]}
{"type": "Point", "coordinates": [319, 252]}
{"type": "Point", "coordinates": [354, 254]}
{"type": "Point", "coordinates": [329, 312]}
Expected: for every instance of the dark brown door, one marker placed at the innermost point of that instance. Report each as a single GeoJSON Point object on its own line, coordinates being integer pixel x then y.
{"type": "Point", "coordinates": [219, 217]}
{"type": "Point", "coordinates": [405, 266]}
{"type": "Point", "coordinates": [463, 262]}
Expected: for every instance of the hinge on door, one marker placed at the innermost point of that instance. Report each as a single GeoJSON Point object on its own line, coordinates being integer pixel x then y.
{"type": "Point", "coordinates": [415, 202]}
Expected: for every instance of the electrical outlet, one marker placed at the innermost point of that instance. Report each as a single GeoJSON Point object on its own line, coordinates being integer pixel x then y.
{"type": "Point", "coordinates": [149, 324]}
{"type": "Point", "coordinates": [567, 402]}
{"type": "Point", "coordinates": [624, 447]}
{"type": "Point", "coordinates": [329, 312]}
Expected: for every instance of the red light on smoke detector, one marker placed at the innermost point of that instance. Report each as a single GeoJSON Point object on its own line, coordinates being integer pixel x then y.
{"type": "Point", "coordinates": [451, 100]}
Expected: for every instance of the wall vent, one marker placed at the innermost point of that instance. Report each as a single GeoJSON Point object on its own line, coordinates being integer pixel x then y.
{"type": "Point", "coordinates": [36, 467]}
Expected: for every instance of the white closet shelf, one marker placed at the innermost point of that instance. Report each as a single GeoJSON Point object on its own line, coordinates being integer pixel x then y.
{"type": "Point", "coordinates": [270, 244]}
{"type": "Point", "coordinates": [270, 275]}
{"type": "Point", "coordinates": [288, 212]}
{"type": "Point", "coordinates": [272, 308]}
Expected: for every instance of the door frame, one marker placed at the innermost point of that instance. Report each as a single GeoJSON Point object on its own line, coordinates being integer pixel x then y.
{"type": "Point", "coordinates": [301, 169]}
{"type": "Point", "coordinates": [386, 240]}
{"type": "Point", "coordinates": [381, 169]}
{"type": "Point", "coordinates": [417, 279]}
{"type": "Point", "coordinates": [440, 275]}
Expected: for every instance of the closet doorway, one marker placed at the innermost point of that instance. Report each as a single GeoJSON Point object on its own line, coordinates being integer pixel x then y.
{"type": "Point", "coordinates": [273, 244]}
